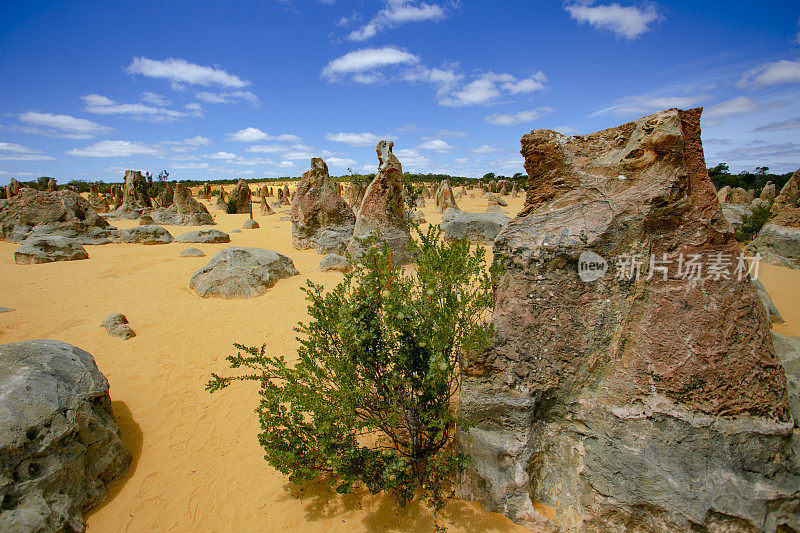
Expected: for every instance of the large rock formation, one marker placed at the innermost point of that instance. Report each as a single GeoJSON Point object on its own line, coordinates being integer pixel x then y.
{"type": "Point", "coordinates": [183, 210]}
{"type": "Point", "coordinates": [51, 185]}
{"type": "Point", "coordinates": [321, 219]}
{"type": "Point", "coordinates": [382, 212]}
{"type": "Point", "coordinates": [60, 444]}
{"type": "Point", "coordinates": [628, 403]}
{"type": "Point", "coordinates": [64, 213]}
{"type": "Point", "coordinates": [134, 196]}
{"type": "Point", "coordinates": [98, 203]}
{"type": "Point", "coordinates": [472, 227]}
{"type": "Point", "coordinates": [13, 188]}
{"type": "Point", "coordinates": [238, 272]}
{"type": "Point", "coordinates": [444, 199]}
{"type": "Point", "coordinates": [789, 195]}
{"type": "Point", "coordinates": [240, 196]}
{"type": "Point", "coordinates": [48, 249]}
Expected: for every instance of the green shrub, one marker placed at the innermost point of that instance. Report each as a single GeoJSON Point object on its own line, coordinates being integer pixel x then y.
{"type": "Point", "coordinates": [370, 400]}
{"type": "Point", "coordinates": [752, 224]}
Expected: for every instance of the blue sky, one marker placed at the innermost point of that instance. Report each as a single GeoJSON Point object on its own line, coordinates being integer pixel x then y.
{"type": "Point", "coordinates": [255, 89]}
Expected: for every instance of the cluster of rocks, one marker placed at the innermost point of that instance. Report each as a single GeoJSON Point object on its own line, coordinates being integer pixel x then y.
{"type": "Point", "coordinates": [60, 444]}
{"type": "Point", "coordinates": [778, 241]}
{"type": "Point", "coordinates": [321, 219]}
{"type": "Point", "coordinates": [629, 402]}
{"type": "Point", "coordinates": [179, 208]}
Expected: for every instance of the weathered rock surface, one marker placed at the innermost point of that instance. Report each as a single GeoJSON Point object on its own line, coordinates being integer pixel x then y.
{"type": "Point", "coordinates": [735, 213]}
{"type": "Point", "coordinates": [335, 262]}
{"type": "Point", "coordinates": [739, 196]}
{"type": "Point", "coordinates": [444, 199]}
{"type": "Point", "coordinates": [60, 444]}
{"type": "Point", "coordinates": [192, 252]}
{"type": "Point", "coordinates": [48, 249]}
{"type": "Point", "coordinates": [382, 213]}
{"type": "Point", "coordinates": [473, 227]}
{"type": "Point", "coordinates": [240, 196]}
{"type": "Point", "coordinates": [321, 219]}
{"type": "Point", "coordinates": [204, 235]}
{"type": "Point", "coordinates": [146, 220]}
{"type": "Point", "coordinates": [250, 224]}
{"type": "Point", "coordinates": [64, 213]}
{"type": "Point", "coordinates": [777, 245]}
{"type": "Point", "coordinates": [220, 202]}
{"type": "Point", "coordinates": [789, 195]}
{"type": "Point", "coordinates": [238, 272]}
{"type": "Point", "coordinates": [134, 196]}
{"type": "Point", "coordinates": [117, 326]}
{"type": "Point", "coordinates": [146, 235]}
{"type": "Point", "coordinates": [768, 192]}
{"type": "Point", "coordinates": [265, 208]}
{"type": "Point", "coordinates": [183, 211]}
{"type": "Point", "coordinates": [644, 404]}
{"type": "Point", "coordinates": [773, 314]}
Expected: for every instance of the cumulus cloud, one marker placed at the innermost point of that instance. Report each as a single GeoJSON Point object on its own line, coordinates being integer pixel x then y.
{"type": "Point", "coordinates": [774, 73]}
{"type": "Point", "coordinates": [484, 149]}
{"type": "Point", "coordinates": [490, 86]}
{"type": "Point", "coordinates": [155, 99]}
{"type": "Point", "coordinates": [742, 105]}
{"type": "Point", "coordinates": [367, 60]}
{"type": "Point", "coordinates": [783, 125]}
{"type": "Point", "coordinates": [102, 105]}
{"type": "Point", "coordinates": [354, 139]}
{"type": "Point", "coordinates": [504, 119]}
{"type": "Point", "coordinates": [180, 71]}
{"type": "Point", "coordinates": [62, 125]}
{"type": "Point", "coordinates": [395, 13]}
{"type": "Point", "coordinates": [114, 149]}
{"type": "Point", "coordinates": [624, 22]}
{"type": "Point", "coordinates": [229, 97]}
{"type": "Point", "coordinates": [18, 152]}
{"type": "Point", "coordinates": [437, 145]}
{"type": "Point", "coordinates": [407, 157]}
{"type": "Point", "coordinates": [220, 155]}
{"type": "Point", "coordinates": [340, 162]}
{"type": "Point", "coordinates": [251, 134]}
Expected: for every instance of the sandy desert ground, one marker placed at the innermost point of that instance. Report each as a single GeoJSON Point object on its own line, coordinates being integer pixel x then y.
{"type": "Point", "coordinates": [197, 464]}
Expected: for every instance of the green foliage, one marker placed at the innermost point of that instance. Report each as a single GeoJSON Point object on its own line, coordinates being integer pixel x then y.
{"type": "Point", "coordinates": [720, 176]}
{"type": "Point", "coordinates": [370, 400]}
{"type": "Point", "coordinates": [752, 224]}
{"type": "Point", "coordinates": [411, 194]}
{"type": "Point", "coordinates": [488, 176]}
{"type": "Point", "coordinates": [42, 181]}
{"type": "Point", "coordinates": [230, 205]}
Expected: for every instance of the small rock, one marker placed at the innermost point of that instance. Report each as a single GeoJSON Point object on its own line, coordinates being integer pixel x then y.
{"type": "Point", "coordinates": [146, 220]}
{"type": "Point", "coordinates": [192, 252]}
{"type": "Point", "coordinates": [146, 235]}
{"type": "Point", "coordinates": [236, 231]}
{"type": "Point", "coordinates": [204, 236]}
{"type": "Point", "coordinates": [117, 326]}
{"type": "Point", "coordinates": [239, 272]}
{"type": "Point", "coordinates": [335, 262]}
{"type": "Point", "coordinates": [47, 249]}
{"type": "Point", "coordinates": [250, 224]}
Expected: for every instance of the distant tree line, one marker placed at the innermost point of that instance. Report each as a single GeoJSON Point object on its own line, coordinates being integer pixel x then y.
{"type": "Point", "coordinates": [720, 176]}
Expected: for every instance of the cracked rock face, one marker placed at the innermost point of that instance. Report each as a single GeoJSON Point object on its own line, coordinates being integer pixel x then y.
{"type": "Point", "coordinates": [382, 213]}
{"type": "Point", "coordinates": [59, 444]}
{"type": "Point", "coordinates": [627, 403]}
{"type": "Point", "coordinates": [321, 219]}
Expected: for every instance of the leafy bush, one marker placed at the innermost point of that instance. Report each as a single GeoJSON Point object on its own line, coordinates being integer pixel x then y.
{"type": "Point", "coordinates": [370, 400]}
{"type": "Point", "coordinates": [752, 224]}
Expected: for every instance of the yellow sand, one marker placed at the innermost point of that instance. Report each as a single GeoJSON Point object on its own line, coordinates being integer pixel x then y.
{"type": "Point", "coordinates": [197, 463]}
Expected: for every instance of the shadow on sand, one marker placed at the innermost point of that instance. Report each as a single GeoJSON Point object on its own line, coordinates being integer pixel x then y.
{"type": "Point", "coordinates": [382, 512]}
{"type": "Point", "coordinates": [131, 435]}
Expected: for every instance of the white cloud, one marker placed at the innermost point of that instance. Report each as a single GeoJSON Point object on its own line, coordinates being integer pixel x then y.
{"type": "Point", "coordinates": [155, 99]}
{"type": "Point", "coordinates": [340, 162]}
{"type": "Point", "coordinates": [407, 157]}
{"type": "Point", "coordinates": [251, 134]}
{"type": "Point", "coordinates": [114, 149]}
{"type": "Point", "coordinates": [102, 105]}
{"type": "Point", "coordinates": [741, 105]}
{"type": "Point", "coordinates": [451, 133]}
{"type": "Point", "coordinates": [189, 166]}
{"type": "Point", "coordinates": [644, 104]}
{"type": "Point", "coordinates": [502, 119]}
{"type": "Point", "coordinates": [229, 97]}
{"type": "Point", "coordinates": [353, 139]}
{"type": "Point", "coordinates": [63, 125]}
{"type": "Point", "coordinates": [436, 144]}
{"type": "Point", "coordinates": [489, 87]}
{"type": "Point", "coordinates": [17, 152]}
{"type": "Point", "coordinates": [221, 155]}
{"type": "Point", "coordinates": [626, 22]}
{"type": "Point", "coordinates": [366, 60]}
{"type": "Point", "coordinates": [484, 149]}
{"type": "Point", "coordinates": [774, 73]}
{"type": "Point", "coordinates": [180, 71]}
{"type": "Point", "coordinates": [187, 145]}
{"type": "Point", "coordinates": [783, 125]}
{"type": "Point", "coordinates": [395, 13]}
{"type": "Point", "coordinates": [286, 164]}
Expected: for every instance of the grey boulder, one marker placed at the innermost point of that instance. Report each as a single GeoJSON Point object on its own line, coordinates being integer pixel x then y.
{"type": "Point", "coordinates": [250, 224]}
{"type": "Point", "coordinates": [48, 249]}
{"type": "Point", "coordinates": [335, 262]}
{"type": "Point", "coordinates": [192, 252]}
{"type": "Point", "coordinates": [60, 444]}
{"type": "Point", "coordinates": [472, 227]}
{"type": "Point", "coordinates": [146, 235]}
{"type": "Point", "coordinates": [204, 236]}
{"type": "Point", "coordinates": [239, 272]}
{"type": "Point", "coordinates": [117, 326]}
{"type": "Point", "coordinates": [777, 245]}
